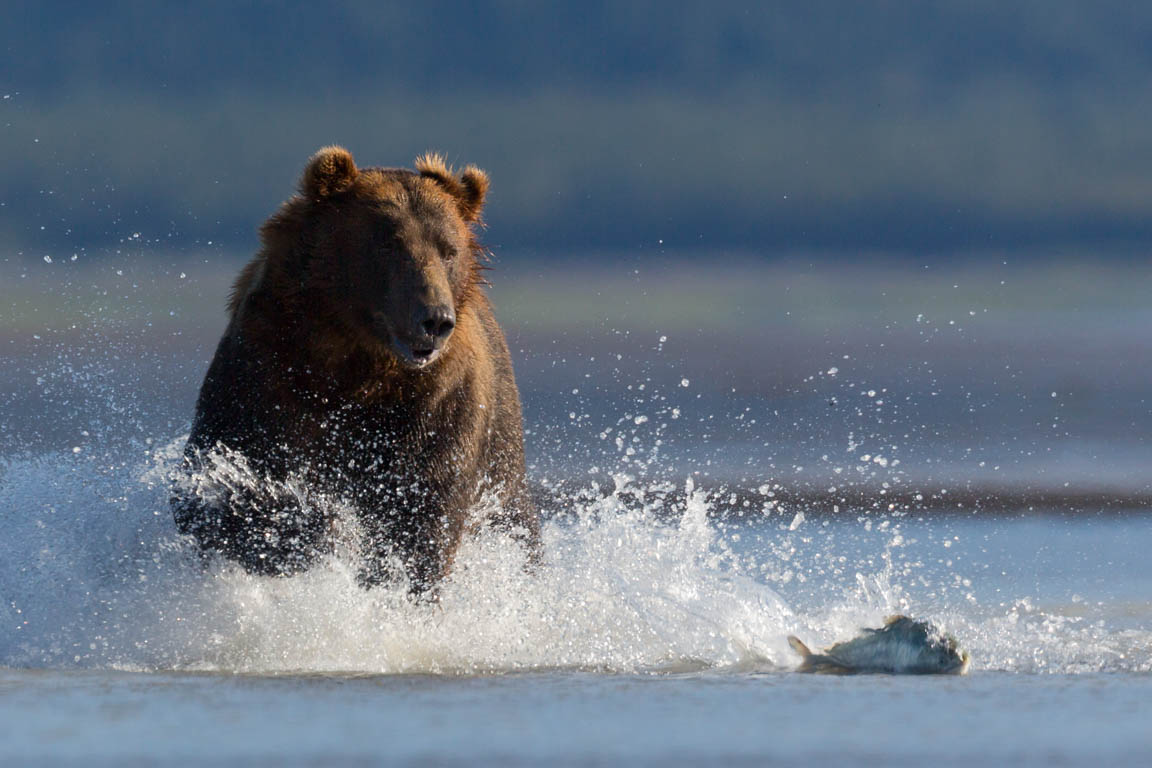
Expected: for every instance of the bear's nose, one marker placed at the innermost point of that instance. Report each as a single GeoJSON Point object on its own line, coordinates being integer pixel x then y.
{"type": "Point", "coordinates": [438, 321]}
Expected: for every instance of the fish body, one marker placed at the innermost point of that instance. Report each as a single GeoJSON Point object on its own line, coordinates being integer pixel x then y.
{"type": "Point", "coordinates": [903, 646]}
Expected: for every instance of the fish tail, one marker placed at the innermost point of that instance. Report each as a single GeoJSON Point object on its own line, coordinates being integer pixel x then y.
{"type": "Point", "coordinates": [815, 662]}
{"type": "Point", "coordinates": [798, 646]}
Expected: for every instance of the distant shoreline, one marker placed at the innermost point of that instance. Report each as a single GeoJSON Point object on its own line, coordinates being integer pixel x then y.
{"type": "Point", "coordinates": [731, 502]}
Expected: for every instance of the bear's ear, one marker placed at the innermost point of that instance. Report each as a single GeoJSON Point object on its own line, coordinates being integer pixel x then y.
{"type": "Point", "coordinates": [330, 170]}
{"type": "Point", "coordinates": [475, 183]}
{"type": "Point", "coordinates": [468, 188]}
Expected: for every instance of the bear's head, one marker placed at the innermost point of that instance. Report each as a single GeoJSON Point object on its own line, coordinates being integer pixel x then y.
{"type": "Point", "coordinates": [387, 256]}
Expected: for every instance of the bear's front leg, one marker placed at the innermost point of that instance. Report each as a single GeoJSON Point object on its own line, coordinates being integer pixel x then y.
{"type": "Point", "coordinates": [261, 523]}
{"type": "Point", "coordinates": [419, 538]}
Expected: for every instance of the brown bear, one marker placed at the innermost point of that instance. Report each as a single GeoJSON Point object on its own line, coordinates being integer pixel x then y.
{"type": "Point", "coordinates": [362, 369]}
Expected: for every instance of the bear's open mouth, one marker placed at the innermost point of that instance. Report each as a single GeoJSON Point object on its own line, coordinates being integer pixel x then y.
{"type": "Point", "coordinates": [415, 357]}
{"type": "Point", "coordinates": [423, 355]}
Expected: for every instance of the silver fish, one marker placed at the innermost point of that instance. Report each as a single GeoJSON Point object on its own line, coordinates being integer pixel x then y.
{"type": "Point", "coordinates": [902, 646]}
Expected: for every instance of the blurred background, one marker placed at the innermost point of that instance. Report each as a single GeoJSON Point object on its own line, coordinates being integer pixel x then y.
{"type": "Point", "coordinates": [823, 248]}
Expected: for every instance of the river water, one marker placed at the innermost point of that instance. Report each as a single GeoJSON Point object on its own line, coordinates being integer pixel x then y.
{"type": "Point", "coordinates": [647, 636]}
{"type": "Point", "coordinates": [698, 510]}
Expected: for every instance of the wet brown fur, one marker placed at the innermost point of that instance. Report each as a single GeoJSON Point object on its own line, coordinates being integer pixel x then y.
{"type": "Point", "coordinates": [306, 384]}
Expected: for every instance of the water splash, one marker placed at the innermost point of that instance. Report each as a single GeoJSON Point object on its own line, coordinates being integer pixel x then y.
{"type": "Point", "coordinates": [94, 575]}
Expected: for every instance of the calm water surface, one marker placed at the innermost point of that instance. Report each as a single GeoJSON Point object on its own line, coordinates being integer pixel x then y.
{"type": "Point", "coordinates": [574, 719]}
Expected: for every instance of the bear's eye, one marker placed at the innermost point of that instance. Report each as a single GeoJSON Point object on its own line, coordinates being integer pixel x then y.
{"type": "Point", "coordinates": [448, 253]}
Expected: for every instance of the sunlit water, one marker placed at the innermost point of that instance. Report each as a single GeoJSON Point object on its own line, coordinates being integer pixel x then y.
{"type": "Point", "coordinates": [649, 634]}
{"type": "Point", "coordinates": [653, 633]}
{"type": "Point", "coordinates": [95, 576]}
